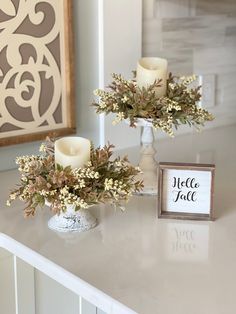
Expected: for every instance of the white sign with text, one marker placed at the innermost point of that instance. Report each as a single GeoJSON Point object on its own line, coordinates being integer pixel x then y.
{"type": "Point", "coordinates": [186, 191]}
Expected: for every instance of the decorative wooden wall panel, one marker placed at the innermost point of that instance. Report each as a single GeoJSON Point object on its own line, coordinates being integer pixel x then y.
{"type": "Point", "coordinates": [36, 65]}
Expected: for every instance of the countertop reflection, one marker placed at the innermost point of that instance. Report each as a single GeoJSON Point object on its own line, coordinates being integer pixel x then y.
{"type": "Point", "coordinates": [151, 266]}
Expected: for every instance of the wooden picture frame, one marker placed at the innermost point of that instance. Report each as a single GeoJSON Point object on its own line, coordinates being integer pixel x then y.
{"type": "Point", "coordinates": [36, 71]}
{"type": "Point", "coordinates": [186, 190]}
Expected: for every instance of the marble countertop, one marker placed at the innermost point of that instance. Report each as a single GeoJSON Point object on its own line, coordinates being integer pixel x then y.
{"type": "Point", "coordinates": [132, 262]}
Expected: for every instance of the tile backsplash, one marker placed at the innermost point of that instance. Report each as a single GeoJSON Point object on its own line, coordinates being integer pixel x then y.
{"type": "Point", "coordinates": [197, 36]}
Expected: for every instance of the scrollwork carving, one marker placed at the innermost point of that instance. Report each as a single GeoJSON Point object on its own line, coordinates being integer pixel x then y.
{"type": "Point", "coordinates": [31, 66]}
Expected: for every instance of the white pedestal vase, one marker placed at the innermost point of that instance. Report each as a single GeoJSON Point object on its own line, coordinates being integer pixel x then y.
{"type": "Point", "coordinates": [72, 221]}
{"type": "Point", "coordinates": [147, 163]}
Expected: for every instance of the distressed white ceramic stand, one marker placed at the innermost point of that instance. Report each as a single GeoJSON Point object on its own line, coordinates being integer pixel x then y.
{"type": "Point", "coordinates": [71, 220]}
{"type": "Point", "coordinates": [147, 162]}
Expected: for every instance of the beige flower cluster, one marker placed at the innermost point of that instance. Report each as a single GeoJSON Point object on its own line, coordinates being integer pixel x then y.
{"type": "Point", "coordinates": [117, 188]}
{"type": "Point", "coordinates": [27, 162]}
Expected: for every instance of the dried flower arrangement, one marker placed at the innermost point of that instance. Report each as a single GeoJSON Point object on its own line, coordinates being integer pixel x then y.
{"type": "Point", "coordinates": [179, 106]}
{"type": "Point", "coordinates": [101, 180]}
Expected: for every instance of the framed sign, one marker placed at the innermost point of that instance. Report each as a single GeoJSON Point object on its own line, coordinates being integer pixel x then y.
{"type": "Point", "coordinates": [36, 70]}
{"type": "Point", "coordinates": [185, 191]}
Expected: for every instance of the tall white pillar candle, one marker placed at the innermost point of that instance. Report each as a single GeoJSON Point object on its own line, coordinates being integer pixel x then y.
{"type": "Point", "coordinates": [72, 151]}
{"type": "Point", "coordinates": [151, 69]}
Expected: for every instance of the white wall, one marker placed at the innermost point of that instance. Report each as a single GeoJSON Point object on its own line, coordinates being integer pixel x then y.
{"type": "Point", "coordinates": [87, 75]}
{"type": "Point", "coordinates": [122, 45]}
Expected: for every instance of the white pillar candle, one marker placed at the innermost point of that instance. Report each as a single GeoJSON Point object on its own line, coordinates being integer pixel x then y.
{"type": "Point", "coordinates": [72, 151]}
{"type": "Point", "coordinates": [151, 69]}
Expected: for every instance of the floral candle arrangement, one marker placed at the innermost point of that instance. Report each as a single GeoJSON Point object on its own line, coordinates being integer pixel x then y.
{"type": "Point", "coordinates": [166, 102]}
{"type": "Point", "coordinates": [99, 180]}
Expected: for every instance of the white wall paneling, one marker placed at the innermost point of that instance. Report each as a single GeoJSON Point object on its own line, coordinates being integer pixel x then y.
{"type": "Point", "coordinates": [86, 307]}
{"type": "Point", "coordinates": [86, 47]}
{"type": "Point", "coordinates": [7, 289]}
{"type": "Point", "coordinates": [24, 287]}
{"type": "Point", "coordinates": [26, 290]}
{"type": "Point", "coordinates": [120, 33]}
{"type": "Point", "coordinates": [52, 297]}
